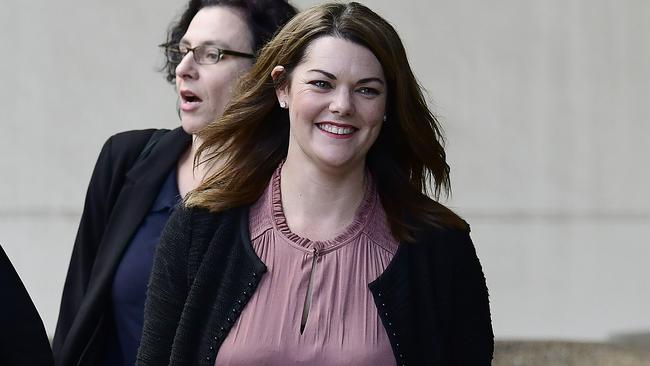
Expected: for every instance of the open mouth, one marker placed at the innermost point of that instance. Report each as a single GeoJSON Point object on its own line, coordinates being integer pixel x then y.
{"type": "Point", "coordinates": [189, 97]}
{"type": "Point", "coordinates": [336, 129]}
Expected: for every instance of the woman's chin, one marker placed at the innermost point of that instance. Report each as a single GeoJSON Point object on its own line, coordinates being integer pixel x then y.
{"type": "Point", "coordinates": [192, 125]}
{"type": "Point", "coordinates": [339, 163]}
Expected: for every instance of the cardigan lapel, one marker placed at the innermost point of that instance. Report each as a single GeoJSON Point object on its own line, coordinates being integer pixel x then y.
{"type": "Point", "coordinates": [141, 188]}
{"type": "Point", "coordinates": [392, 294]}
{"type": "Point", "coordinates": [408, 302]}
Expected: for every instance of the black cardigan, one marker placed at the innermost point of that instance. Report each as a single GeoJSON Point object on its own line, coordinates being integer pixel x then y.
{"type": "Point", "coordinates": [23, 340]}
{"type": "Point", "coordinates": [122, 188]}
{"type": "Point", "coordinates": [432, 297]}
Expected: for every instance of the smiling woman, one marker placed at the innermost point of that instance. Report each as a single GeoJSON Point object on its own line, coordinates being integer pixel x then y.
{"type": "Point", "coordinates": [312, 240]}
{"type": "Point", "coordinates": [335, 108]}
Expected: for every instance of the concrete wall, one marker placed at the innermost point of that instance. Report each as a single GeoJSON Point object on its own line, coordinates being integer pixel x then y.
{"type": "Point", "coordinates": [544, 103]}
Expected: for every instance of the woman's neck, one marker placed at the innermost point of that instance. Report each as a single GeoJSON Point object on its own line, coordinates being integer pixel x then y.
{"type": "Point", "coordinates": [188, 176]}
{"type": "Point", "coordinates": [317, 204]}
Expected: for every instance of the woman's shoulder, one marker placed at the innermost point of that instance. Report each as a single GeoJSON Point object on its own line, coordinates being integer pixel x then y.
{"type": "Point", "coordinates": [123, 149]}
{"type": "Point", "coordinates": [440, 231]}
{"type": "Point", "coordinates": [440, 220]}
{"type": "Point", "coordinates": [128, 140]}
{"type": "Point", "coordinates": [125, 146]}
{"type": "Point", "coordinates": [202, 222]}
{"type": "Point", "coordinates": [187, 227]}
{"type": "Point", "coordinates": [191, 215]}
{"type": "Point", "coordinates": [137, 139]}
{"type": "Point", "coordinates": [191, 230]}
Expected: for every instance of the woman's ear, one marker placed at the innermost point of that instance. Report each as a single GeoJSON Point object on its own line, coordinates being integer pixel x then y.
{"type": "Point", "coordinates": [281, 90]}
{"type": "Point", "coordinates": [276, 72]}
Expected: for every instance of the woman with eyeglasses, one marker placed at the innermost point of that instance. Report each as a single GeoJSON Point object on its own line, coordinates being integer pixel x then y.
{"type": "Point", "coordinates": [312, 240]}
{"type": "Point", "coordinates": [141, 175]}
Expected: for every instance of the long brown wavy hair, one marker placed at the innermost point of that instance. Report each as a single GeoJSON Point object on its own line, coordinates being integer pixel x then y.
{"type": "Point", "coordinates": [250, 140]}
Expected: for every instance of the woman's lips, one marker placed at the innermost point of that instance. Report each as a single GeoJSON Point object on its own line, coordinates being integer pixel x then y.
{"type": "Point", "coordinates": [337, 130]}
{"type": "Point", "coordinates": [189, 101]}
{"type": "Point", "coordinates": [189, 106]}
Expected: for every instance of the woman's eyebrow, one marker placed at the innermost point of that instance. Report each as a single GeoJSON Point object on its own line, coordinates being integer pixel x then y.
{"type": "Point", "coordinates": [362, 81]}
{"type": "Point", "coordinates": [327, 74]}
{"type": "Point", "coordinates": [369, 80]}
{"type": "Point", "coordinates": [185, 42]}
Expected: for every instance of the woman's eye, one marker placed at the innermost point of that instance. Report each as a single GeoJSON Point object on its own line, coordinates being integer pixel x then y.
{"type": "Point", "coordinates": [210, 55]}
{"type": "Point", "coordinates": [321, 84]}
{"type": "Point", "coordinates": [368, 91]}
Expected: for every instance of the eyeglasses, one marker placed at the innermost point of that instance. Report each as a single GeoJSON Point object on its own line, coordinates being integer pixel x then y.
{"type": "Point", "coordinates": [203, 55]}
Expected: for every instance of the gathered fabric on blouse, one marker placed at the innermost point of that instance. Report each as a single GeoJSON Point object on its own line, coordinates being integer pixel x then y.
{"type": "Point", "coordinates": [342, 326]}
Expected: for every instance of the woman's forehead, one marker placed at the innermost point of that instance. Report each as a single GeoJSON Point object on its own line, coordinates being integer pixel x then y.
{"type": "Point", "coordinates": [221, 26]}
{"type": "Point", "coordinates": [339, 56]}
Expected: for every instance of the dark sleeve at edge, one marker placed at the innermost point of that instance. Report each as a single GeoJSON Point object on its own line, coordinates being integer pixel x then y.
{"type": "Point", "coordinates": [472, 334]}
{"type": "Point", "coordinates": [23, 340]}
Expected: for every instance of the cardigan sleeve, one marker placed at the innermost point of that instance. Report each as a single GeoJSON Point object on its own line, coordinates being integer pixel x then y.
{"type": "Point", "coordinates": [23, 340]}
{"type": "Point", "coordinates": [117, 156]}
{"type": "Point", "coordinates": [472, 335]}
{"type": "Point", "coordinates": [167, 291]}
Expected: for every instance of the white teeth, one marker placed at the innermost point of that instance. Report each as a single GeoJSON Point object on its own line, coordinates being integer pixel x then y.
{"type": "Point", "coordinates": [335, 130]}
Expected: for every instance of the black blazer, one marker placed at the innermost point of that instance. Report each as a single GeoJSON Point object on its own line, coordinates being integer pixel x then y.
{"type": "Point", "coordinates": [432, 297]}
{"type": "Point", "coordinates": [122, 188]}
{"type": "Point", "coordinates": [23, 340]}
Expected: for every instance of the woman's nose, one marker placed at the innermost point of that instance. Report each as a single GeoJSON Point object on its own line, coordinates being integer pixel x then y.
{"type": "Point", "coordinates": [187, 67]}
{"type": "Point", "coordinates": [342, 102]}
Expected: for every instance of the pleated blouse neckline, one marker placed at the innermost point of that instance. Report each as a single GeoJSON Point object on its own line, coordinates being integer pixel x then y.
{"type": "Point", "coordinates": [361, 218]}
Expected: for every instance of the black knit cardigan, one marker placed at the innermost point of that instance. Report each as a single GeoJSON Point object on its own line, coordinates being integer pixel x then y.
{"type": "Point", "coordinates": [432, 297]}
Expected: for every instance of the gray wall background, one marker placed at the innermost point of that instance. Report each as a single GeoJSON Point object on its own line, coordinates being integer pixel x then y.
{"type": "Point", "coordinates": [544, 103]}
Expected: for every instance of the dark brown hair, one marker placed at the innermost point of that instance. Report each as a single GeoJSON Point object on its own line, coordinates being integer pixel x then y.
{"type": "Point", "coordinates": [407, 160]}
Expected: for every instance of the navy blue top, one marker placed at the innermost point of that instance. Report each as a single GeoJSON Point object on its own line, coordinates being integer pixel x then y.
{"type": "Point", "coordinates": [132, 276]}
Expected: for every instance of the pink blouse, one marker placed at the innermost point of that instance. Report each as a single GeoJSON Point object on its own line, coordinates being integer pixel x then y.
{"type": "Point", "coordinates": [342, 325]}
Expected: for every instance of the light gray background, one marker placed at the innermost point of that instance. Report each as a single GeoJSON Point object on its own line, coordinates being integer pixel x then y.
{"type": "Point", "coordinates": [544, 103]}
